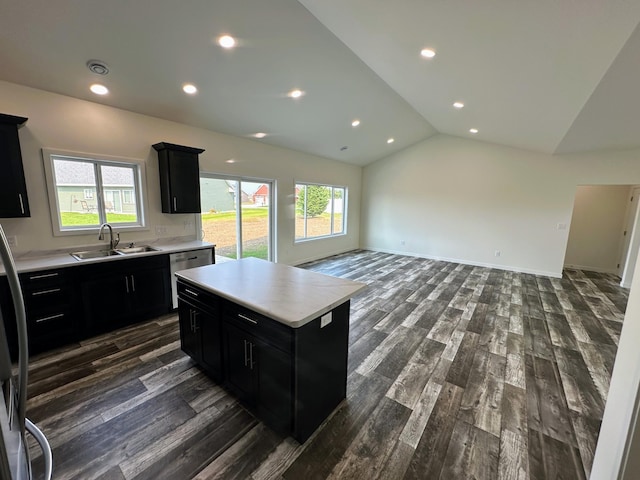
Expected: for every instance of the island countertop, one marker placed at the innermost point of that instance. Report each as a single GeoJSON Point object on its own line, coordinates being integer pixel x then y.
{"type": "Point", "coordinates": [290, 295]}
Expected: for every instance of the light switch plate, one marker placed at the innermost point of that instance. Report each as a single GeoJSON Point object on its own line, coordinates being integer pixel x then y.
{"type": "Point", "coordinates": [326, 319]}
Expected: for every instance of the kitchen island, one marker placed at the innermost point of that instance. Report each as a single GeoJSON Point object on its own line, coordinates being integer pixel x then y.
{"type": "Point", "coordinates": [274, 335]}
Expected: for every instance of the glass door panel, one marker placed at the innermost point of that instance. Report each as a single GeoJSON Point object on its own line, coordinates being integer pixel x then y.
{"type": "Point", "coordinates": [255, 221]}
{"type": "Point", "coordinates": [220, 214]}
{"type": "Point", "coordinates": [236, 216]}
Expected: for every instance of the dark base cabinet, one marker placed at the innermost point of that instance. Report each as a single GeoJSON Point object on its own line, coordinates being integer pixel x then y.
{"type": "Point", "coordinates": [120, 293]}
{"type": "Point", "coordinates": [291, 378]}
{"type": "Point", "coordinates": [65, 305]}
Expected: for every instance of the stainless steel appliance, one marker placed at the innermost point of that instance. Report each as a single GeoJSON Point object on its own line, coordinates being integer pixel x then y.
{"type": "Point", "coordinates": [183, 261]}
{"type": "Point", "coordinates": [15, 463]}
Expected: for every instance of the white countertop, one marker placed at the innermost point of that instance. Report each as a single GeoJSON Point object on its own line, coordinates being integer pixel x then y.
{"type": "Point", "coordinates": [293, 296]}
{"type": "Point", "coordinates": [34, 262]}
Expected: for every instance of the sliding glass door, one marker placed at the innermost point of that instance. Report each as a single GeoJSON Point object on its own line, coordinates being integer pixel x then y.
{"type": "Point", "coordinates": [237, 216]}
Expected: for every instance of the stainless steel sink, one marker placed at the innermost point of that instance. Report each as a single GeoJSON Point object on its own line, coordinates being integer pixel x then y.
{"type": "Point", "coordinates": [87, 254]}
{"type": "Point", "coordinates": [140, 249]}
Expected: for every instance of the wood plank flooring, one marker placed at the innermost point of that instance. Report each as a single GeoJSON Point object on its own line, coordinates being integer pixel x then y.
{"type": "Point", "coordinates": [455, 372]}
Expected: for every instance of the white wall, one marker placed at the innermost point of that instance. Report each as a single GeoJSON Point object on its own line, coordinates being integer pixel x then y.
{"type": "Point", "coordinates": [64, 123]}
{"type": "Point", "coordinates": [597, 225]}
{"type": "Point", "coordinates": [461, 200]}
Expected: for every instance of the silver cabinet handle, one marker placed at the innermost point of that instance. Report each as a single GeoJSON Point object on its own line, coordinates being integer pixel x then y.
{"type": "Point", "coordinates": [21, 203]}
{"type": "Point", "coordinates": [133, 283]}
{"type": "Point", "coordinates": [245, 353]}
{"type": "Point", "coordinates": [44, 275]}
{"type": "Point", "coordinates": [250, 356]}
{"type": "Point", "coordinates": [44, 292]}
{"type": "Point", "coordinates": [250, 320]}
{"type": "Point", "coordinates": [190, 292]}
{"type": "Point", "coordinates": [51, 317]}
{"type": "Point", "coordinates": [126, 281]}
{"type": "Point", "coordinates": [175, 204]}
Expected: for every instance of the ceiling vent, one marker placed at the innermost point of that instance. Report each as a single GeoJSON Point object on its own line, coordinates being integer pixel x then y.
{"type": "Point", "coordinates": [98, 67]}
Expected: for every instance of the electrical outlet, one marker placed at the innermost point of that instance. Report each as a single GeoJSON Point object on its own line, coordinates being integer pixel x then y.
{"type": "Point", "coordinates": [12, 240]}
{"type": "Point", "coordinates": [402, 242]}
{"type": "Point", "coordinates": [160, 229]}
{"type": "Point", "coordinates": [497, 253]}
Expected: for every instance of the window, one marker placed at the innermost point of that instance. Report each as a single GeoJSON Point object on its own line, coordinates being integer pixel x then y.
{"type": "Point", "coordinates": [87, 192]}
{"type": "Point", "coordinates": [320, 211]}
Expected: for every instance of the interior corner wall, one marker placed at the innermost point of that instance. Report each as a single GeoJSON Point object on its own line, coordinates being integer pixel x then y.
{"type": "Point", "coordinates": [64, 123]}
{"type": "Point", "coordinates": [463, 200]}
{"type": "Point", "coordinates": [597, 225]}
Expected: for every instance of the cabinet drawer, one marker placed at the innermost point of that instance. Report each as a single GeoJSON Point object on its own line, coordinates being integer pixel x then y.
{"type": "Point", "coordinates": [264, 328]}
{"type": "Point", "coordinates": [43, 298]}
{"type": "Point", "coordinates": [52, 321]}
{"type": "Point", "coordinates": [43, 279]}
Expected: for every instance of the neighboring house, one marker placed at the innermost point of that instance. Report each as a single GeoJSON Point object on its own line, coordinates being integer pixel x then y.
{"type": "Point", "coordinates": [216, 196]}
{"type": "Point", "coordinates": [76, 188]}
{"type": "Point", "coordinates": [261, 196]}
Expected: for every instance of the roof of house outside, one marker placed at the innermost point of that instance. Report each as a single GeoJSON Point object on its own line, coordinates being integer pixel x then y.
{"type": "Point", "coordinates": [78, 173]}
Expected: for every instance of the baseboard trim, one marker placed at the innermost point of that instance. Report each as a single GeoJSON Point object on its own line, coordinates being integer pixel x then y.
{"type": "Point", "coordinates": [508, 268]}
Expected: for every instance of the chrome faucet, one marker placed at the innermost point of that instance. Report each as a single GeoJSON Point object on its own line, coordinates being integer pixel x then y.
{"type": "Point", "coordinates": [113, 241]}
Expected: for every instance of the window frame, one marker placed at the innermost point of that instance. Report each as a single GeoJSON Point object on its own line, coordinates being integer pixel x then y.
{"type": "Point", "coordinates": [140, 191]}
{"type": "Point", "coordinates": [333, 234]}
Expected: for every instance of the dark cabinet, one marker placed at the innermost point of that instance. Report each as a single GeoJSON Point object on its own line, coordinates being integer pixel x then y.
{"type": "Point", "coordinates": [200, 334]}
{"type": "Point", "coordinates": [13, 189]}
{"type": "Point", "coordinates": [260, 375]}
{"type": "Point", "coordinates": [50, 305]}
{"type": "Point", "coordinates": [51, 308]}
{"type": "Point", "coordinates": [291, 378]}
{"type": "Point", "coordinates": [124, 292]}
{"type": "Point", "coordinates": [179, 178]}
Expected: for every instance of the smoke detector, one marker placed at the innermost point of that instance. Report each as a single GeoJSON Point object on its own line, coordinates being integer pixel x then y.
{"type": "Point", "coordinates": [98, 67]}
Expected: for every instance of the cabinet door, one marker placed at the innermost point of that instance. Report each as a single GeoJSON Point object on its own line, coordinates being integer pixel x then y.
{"type": "Point", "coordinates": [190, 339]}
{"type": "Point", "coordinates": [150, 290]}
{"type": "Point", "coordinates": [106, 302]}
{"type": "Point", "coordinates": [13, 190]}
{"type": "Point", "coordinates": [274, 386]}
{"type": "Point", "coordinates": [184, 177]}
{"type": "Point", "coordinates": [209, 326]}
{"type": "Point", "coordinates": [240, 363]}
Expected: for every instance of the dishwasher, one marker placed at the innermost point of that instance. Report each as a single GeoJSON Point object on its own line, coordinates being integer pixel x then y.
{"type": "Point", "coordinates": [183, 261]}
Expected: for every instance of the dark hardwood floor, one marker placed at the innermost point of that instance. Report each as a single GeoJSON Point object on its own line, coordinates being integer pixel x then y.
{"type": "Point", "coordinates": [455, 372]}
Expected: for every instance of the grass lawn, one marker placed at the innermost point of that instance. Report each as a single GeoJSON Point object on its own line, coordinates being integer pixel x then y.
{"type": "Point", "coordinates": [70, 219]}
{"type": "Point", "coordinates": [247, 213]}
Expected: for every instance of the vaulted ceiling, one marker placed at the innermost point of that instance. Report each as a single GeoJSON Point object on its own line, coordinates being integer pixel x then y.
{"type": "Point", "coordinates": [553, 76]}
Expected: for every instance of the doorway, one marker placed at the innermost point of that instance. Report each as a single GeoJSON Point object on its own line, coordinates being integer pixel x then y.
{"type": "Point", "coordinates": [237, 216]}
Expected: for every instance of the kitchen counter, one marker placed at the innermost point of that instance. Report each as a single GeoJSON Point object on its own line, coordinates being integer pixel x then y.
{"type": "Point", "coordinates": [62, 258]}
{"type": "Point", "coordinates": [289, 295]}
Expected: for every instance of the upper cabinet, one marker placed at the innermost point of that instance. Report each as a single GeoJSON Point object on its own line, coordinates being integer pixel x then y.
{"type": "Point", "coordinates": [179, 178]}
{"type": "Point", "coordinates": [13, 189]}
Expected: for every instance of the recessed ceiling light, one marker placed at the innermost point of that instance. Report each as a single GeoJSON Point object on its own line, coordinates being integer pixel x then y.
{"type": "Point", "coordinates": [391, 140]}
{"type": "Point", "coordinates": [355, 123]}
{"type": "Point", "coordinates": [99, 89]}
{"type": "Point", "coordinates": [260, 135]}
{"type": "Point", "coordinates": [458, 105]}
{"type": "Point", "coordinates": [295, 93]}
{"type": "Point", "coordinates": [189, 88]}
{"type": "Point", "coordinates": [227, 41]}
{"type": "Point", "coordinates": [473, 130]}
{"type": "Point", "coordinates": [428, 53]}
{"type": "Point", "coordinates": [231, 160]}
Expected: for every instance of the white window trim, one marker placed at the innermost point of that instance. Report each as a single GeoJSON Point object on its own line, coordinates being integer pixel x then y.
{"type": "Point", "coordinates": [47, 158]}
{"type": "Point", "coordinates": [344, 212]}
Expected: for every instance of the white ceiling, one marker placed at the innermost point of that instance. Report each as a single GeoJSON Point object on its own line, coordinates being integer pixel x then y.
{"type": "Point", "coordinates": [547, 75]}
